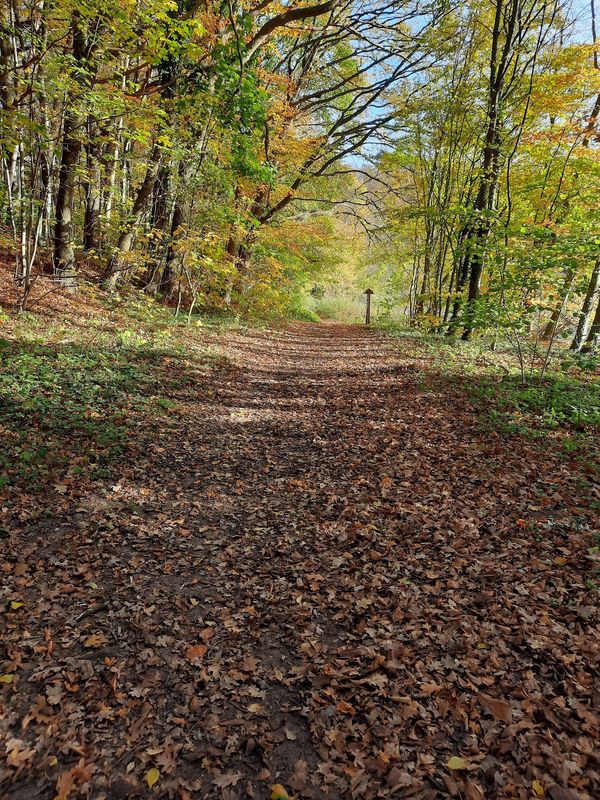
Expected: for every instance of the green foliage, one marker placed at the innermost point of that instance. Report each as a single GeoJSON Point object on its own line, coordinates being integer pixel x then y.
{"type": "Point", "coordinates": [62, 408]}
{"type": "Point", "coordinates": [66, 406]}
{"type": "Point", "coordinates": [557, 401]}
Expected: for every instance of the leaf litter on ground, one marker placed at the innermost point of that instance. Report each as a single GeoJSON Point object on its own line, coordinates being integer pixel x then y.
{"type": "Point", "coordinates": [314, 580]}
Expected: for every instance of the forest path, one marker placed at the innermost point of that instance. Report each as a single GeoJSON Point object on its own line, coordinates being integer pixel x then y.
{"type": "Point", "coordinates": [322, 573]}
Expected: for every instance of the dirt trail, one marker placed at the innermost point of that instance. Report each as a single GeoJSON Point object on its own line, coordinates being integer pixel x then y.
{"type": "Point", "coordinates": [317, 574]}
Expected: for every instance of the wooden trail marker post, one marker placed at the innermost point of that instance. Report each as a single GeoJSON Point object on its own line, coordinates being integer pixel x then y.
{"type": "Point", "coordinates": [368, 292]}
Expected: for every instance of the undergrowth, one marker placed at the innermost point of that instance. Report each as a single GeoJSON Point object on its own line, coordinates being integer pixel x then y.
{"type": "Point", "coordinates": [63, 409]}
{"type": "Point", "coordinates": [565, 400]}
{"type": "Point", "coordinates": [71, 391]}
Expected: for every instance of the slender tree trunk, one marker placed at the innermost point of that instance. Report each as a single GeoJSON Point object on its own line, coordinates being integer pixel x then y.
{"type": "Point", "coordinates": [593, 336]}
{"type": "Point", "coordinates": [93, 191]}
{"type": "Point", "coordinates": [420, 304]}
{"type": "Point", "coordinates": [159, 214]}
{"type": "Point", "coordinates": [550, 328]}
{"type": "Point", "coordinates": [507, 13]}
{"type": "Point", "coordinates": [590, 300]}
{"type": "Point", "coordinates": [116, 264]}
{"type": "Point", "coordinates": [63, 258]}
{"type": "Point", "coordinates": [167, 279]}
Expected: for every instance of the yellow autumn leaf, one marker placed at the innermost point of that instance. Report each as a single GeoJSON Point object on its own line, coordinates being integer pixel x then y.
{"type": "Point", "coordinates": [152, 776]}
{"type": "Point", "coordinates": [456, 763]}
{"type": "Point", "coordinates": [278, 792]}
{"type": "Point", "coordinates": [14, 604]}
{"type": "Point", "coordinates": [538, 789]}
{"type": "Point", "coordinates": [6, 678]}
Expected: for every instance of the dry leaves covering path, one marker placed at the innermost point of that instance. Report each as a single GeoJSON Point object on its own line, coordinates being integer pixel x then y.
{"type": "Point", "coordinates": [317, 575]}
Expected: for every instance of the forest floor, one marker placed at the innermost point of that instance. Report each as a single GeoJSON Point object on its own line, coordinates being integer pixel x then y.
{"type": "Point", "coordinates": [312, 567]}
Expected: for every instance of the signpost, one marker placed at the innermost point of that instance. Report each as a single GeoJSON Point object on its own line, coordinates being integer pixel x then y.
{"type": "Point", "coordinates": [368, 292]}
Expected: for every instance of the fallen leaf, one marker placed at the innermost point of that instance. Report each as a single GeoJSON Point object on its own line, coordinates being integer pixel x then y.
{"type": "Point", "coordinates": [207, 634]}
{"type": "Point", "coordinates": [95, 640]}
{"type": "Point", "coordinates": [152, 777]}
{"type": "Point", "coordinates": [538, 789]}
{"type": "Point", "coordinates": [195, 651]}
{"type": "Point", "coordinates": [278, 792]}
{"type": "Point", "coordinates": [54, 694]}
{"type": "Point", "coordinates": [6, 678]}
{"type": "Point", "coordinates": [226, 779]}
{"type": "Point", "coordinates": [18, 753]}
{"type": "Point", "coordinates": [64, 785]}
{"type": "Point", "coordinates": [456, 762]}
{"type": "Point", "coordinates": [557, 792]}
{"type": "Point", "coordinates": [300, 775]}
{"type": "Point", "coordinates": [499, 709]}
{"type": "Point", "coordinates": [249, 664]}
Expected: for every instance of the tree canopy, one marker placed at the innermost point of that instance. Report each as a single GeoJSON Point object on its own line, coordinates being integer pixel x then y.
{"type": "Point", "coordinates": [237, 155]}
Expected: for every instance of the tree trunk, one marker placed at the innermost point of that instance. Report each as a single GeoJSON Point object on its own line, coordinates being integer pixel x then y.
{"type": "Point", "coordinates": [420, 304]}
{"type": "Point", "coordinates": [159, 213]}
{"type": "Point", "coordinates": [63, 257]}
{"type": "Point", "coordinates": [167, 279]}
{"type": "Point", "coordinates": [591, 298]}
{"type": "Point", "coordinates": [593, 336]}
{"type": "Point", "coordinates": [116, 264]}
{"type": "Point", "coordinates": [550, 328]}
{"type": "Point", "coordinates": [478, 229]}
{"type": "Point", "coordinates": [93, 191]}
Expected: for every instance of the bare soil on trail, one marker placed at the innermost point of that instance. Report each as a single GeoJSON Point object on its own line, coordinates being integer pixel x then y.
{"type": "Point", "coordinates": [318, 573]}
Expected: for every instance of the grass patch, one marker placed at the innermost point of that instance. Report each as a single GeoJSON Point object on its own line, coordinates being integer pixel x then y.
{"type": "Point", "coordinates": [63, 408]}
{"type": "Point", "coordinates": [557, 401]}
{"type": "Point", "coordinates": [563, 405]}
{"type": "Point", "coordinates": [71, 390]}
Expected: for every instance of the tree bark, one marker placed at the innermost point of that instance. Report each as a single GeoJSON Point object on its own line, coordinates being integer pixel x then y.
{"type": "Point", "coordinates": [63, 257]}
{"type": "Point", "coordinates": [591, 298]}
{"type": "Point", "coordinates": [593, 336]}
{"type": "Point", "coordinates": [167, 279]}
{"type": "Point", "coordinates": [550, 328]}
{"type": "Point", "coordinates": [116, 264]}
{"type": "Point", "coordinates": [93, 191]}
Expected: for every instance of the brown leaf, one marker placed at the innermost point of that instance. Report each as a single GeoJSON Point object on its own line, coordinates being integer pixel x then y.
{"type": "Point", "coordinates": [397, 778]}
{"type": "Point", "coordinates": [95, 640]}
{"type": "Point", "coordinates": [499, 709]}
{"type": "Point", "coordinates": [54, 694]}
{"type": "Point", "coordinates": [557, 792]}
{"type": "Point", "coordinates": [226, 779]}
{"type": "Point", "coordinates": [249, 664]}
{"type": "Point", "coordinates": [64, 785]}
{"type": "Point", "coordinates": [300, 775]}
{"type": "Point", "coordinates": [195, 651]}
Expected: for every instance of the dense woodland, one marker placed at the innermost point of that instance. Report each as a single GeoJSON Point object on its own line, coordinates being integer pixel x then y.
{"type": "Point", "coordinates": [238, 155]}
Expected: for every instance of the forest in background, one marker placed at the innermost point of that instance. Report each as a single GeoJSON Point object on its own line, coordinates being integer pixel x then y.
{"type": "Point", "coordinates": [271, 159]}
